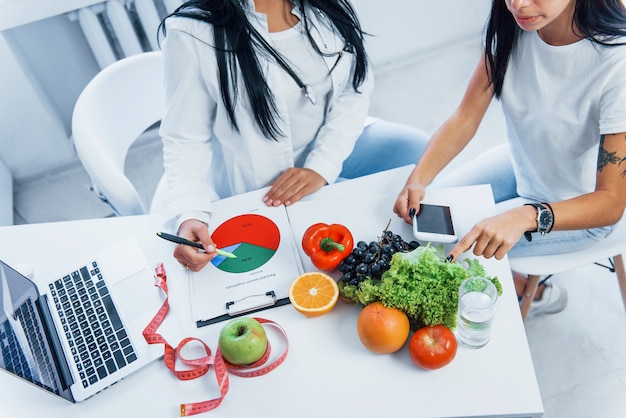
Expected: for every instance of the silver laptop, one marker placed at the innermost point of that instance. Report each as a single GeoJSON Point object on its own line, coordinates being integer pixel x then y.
{"type": "Point", "coordinates": [81, 331]}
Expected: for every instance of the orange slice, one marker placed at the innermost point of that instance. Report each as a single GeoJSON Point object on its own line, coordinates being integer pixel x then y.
{"type": "Point", "coordinates": [314, 293]}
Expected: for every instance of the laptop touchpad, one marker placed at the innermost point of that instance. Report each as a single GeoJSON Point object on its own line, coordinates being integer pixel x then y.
{"type": "Point", "coordinates": [137, 296]}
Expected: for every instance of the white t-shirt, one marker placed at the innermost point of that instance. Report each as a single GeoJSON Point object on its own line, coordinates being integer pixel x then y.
{"type": "Point", "coordinates": [557, 102]}
{"type": "Point", "coordinates": [305, 118]}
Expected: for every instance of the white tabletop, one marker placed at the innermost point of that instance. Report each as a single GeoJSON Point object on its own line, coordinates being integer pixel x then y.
{"type": "Point", "coordinates": [327, 372]}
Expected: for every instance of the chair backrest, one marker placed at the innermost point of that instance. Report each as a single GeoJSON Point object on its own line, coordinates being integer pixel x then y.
{"type": "Point", "coordinates": [114, 109]}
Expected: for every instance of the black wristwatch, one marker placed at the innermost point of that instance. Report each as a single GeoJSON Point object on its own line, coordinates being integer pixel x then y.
{"type": "Point", "coordinates": [545, 218]}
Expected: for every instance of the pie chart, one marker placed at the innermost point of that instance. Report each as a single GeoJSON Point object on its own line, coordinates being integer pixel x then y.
{"type": "Point", "coordinates": [252, 238]}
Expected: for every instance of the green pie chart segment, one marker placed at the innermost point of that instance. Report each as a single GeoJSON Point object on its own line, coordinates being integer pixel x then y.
{"type": "Point", "coordinates": [254, 239]}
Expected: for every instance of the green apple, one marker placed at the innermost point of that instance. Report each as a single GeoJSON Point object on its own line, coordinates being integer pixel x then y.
{"type": "Point", "coordinates": [242, 340]}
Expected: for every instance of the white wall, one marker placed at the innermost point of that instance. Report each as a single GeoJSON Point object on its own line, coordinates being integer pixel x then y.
{"type": "Point", "coordinates": [44, 65]}
{"type": "Point", "coordinates": [411, 27]}
{"type": "Point", "coordinates": [32, 137]}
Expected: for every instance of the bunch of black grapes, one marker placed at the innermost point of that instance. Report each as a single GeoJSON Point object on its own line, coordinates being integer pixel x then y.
{"type": "Point", "coordinates": [370, 261]}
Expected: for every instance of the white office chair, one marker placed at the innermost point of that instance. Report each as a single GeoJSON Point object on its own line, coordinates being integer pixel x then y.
{"type": "Point", "coordinates": [119, 104]}
{"type": "Point", "coordinates": [610, 249]}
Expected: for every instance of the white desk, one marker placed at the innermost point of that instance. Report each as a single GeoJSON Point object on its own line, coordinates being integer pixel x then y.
{"type": "Point", "coordinates": [328, 373]}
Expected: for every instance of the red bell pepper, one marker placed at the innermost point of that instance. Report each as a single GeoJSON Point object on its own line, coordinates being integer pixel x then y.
{"type": "Point", "coordinates": [327, 245]}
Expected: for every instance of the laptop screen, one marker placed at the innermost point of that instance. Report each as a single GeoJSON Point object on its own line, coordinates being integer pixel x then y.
{"type": "Point", "coordinates": [27, 338]}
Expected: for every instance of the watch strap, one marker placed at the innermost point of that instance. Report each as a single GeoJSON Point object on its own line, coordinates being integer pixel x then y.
{"type": "Point", "coordinates": [538, 207]}
{"type": "Point", "coordinates": [527, 234]}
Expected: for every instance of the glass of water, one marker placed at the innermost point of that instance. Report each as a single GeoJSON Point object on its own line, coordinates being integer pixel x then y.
{"type": "Point", "coordinates": [477, 299]}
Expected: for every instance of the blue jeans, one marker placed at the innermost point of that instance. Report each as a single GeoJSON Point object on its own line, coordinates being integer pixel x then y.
{"type": "Point", "coordinates": [494, 167]}
{"type": "Point", "coordinates": [382, 146]}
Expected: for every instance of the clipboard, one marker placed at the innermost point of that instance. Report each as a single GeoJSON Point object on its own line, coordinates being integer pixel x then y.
{"type": "Point", "coordinates": [267, 261]}
{"type": "Point", "coordinates": [234, 311]}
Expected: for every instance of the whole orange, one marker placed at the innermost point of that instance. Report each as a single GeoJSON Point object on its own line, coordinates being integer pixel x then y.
{"type": "Point", "coordinates": [382, 330]}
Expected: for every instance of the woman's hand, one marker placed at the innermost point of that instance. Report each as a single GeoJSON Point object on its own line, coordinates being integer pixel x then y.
{"type": "Point", "coordinates": [409, 198]}
{"type": "Point", "coordinates": [293, 185]}
{"type": "Point", "coordinates": [495, 236]}
{"type": "Point", "coordinates": [190, 257]}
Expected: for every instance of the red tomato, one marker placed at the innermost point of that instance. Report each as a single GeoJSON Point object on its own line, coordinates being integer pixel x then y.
{"type": "Point", "coordinates": [432, 347]}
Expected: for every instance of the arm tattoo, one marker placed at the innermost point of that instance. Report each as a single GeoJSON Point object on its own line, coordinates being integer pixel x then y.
{"type": "Point", "coordinates": [605, 158]}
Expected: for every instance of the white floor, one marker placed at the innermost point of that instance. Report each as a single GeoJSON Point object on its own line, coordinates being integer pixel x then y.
{"type": "Point", "coordinates": [579, 354]}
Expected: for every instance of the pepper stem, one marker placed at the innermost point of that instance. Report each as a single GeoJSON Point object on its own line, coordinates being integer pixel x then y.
{"type": "Point", "coordinates": [327, 244]}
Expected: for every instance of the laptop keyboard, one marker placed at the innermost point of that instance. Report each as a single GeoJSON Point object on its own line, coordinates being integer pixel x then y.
{"type": "Point", "coordinates": [13, 356]}
{"type": "Point", "coordinates": [92, 325]}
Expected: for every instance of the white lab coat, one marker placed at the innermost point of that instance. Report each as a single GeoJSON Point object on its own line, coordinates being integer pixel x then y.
{"type": "Point", "coordinates": [205, 158]}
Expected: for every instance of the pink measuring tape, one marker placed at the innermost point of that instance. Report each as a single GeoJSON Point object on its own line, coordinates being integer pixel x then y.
{"type": "Point", "coordinates": [200, 366]}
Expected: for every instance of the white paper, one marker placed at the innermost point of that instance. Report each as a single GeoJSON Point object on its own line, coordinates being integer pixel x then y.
{"type": "Point", "coordinates": [267, 258]}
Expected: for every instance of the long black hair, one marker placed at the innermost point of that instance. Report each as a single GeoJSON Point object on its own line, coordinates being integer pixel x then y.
{"type": "Point", "coordinates": [239, 46]}
{"type": "Point", "coordinates": [600, 21]}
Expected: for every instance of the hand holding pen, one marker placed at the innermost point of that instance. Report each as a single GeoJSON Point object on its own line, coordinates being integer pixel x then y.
{"type": "Point", "coordinates": [187, 254]}
{"type": "Point", "coordinates": [180, 240]}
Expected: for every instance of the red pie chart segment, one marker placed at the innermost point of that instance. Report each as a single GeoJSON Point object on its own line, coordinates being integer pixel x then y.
{"type": "Point", "coordinates": [254, 239]}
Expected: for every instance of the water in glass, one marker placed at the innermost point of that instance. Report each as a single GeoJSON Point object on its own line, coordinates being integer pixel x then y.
{"type": "Point", "coordinates": [475, 318]}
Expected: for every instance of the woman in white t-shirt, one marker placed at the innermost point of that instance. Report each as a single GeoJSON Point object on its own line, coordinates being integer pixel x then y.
{"type": "Point", "coordinates": [266, 92]}
{"type": "Point", "coordinates": [559, 70]}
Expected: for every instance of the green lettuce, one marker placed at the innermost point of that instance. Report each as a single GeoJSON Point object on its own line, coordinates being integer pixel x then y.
{"type": "Point", "coordinates": [422, 284]}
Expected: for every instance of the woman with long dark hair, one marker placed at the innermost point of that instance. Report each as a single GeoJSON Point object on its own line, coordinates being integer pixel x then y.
{"type": "Point", "coordinates": [558, 68]}
{"type": "Point", "coordinates": [267, 92]}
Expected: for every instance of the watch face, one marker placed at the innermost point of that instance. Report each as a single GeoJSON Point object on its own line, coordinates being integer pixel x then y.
{"type": "Point", "coordinates": [545, 220]}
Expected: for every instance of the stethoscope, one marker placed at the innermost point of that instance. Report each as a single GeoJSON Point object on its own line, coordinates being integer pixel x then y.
{"type": "Point", "coordinates": [307, 90]}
